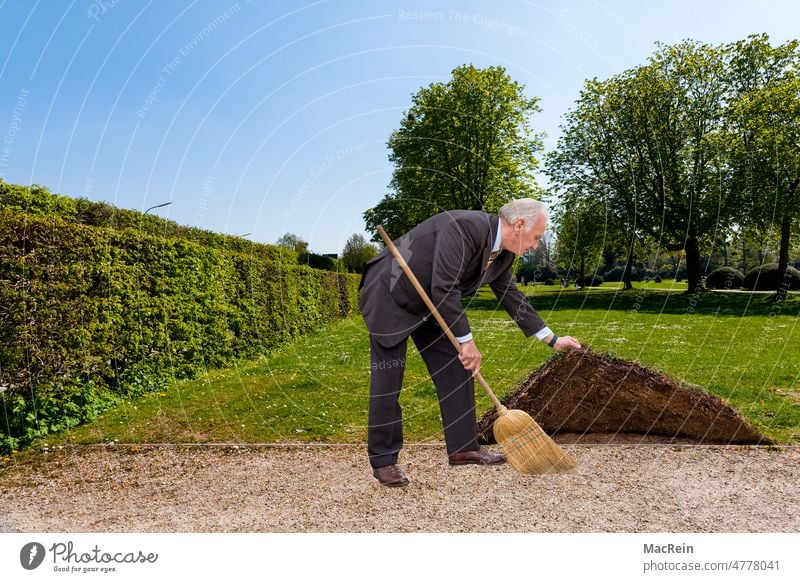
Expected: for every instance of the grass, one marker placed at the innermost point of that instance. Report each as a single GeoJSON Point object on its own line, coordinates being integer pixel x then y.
{"type": "Point", "coordinates": [739, 346]}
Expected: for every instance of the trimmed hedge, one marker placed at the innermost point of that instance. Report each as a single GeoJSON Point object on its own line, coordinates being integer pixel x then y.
{"type": "Point", "coordinates": [615, 274]}
{"type": "Point", "coordinates": [316, 261]}
{"type": "Point", "coordinates": [725, 278]}
{"type": "Point", "coordinates": [90, 315]}
{"type": "Point", "coordinates": [765, 278]}
{"type": "Point", "coordinates": [39, 201]}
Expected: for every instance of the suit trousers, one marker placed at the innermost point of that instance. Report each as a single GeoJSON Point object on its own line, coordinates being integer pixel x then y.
{"type": "Point", "coordinates": [454, 386]}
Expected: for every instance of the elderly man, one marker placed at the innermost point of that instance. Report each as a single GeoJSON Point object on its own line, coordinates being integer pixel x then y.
{"type": "Point", "coordinates": [452, 254]}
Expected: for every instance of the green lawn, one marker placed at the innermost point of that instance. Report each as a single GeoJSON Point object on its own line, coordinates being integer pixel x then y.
{"type": "Point", "coordinates": [739, 346]}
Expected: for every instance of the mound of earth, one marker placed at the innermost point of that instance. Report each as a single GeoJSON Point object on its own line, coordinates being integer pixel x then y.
{"type": "Point", "coordinates": [582, 392]}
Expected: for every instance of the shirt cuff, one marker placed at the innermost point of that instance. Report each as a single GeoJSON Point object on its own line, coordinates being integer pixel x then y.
{"type": "Point", "coordinates": [464, 338]}
{"type": "Point", "coordinates": [543, 333]}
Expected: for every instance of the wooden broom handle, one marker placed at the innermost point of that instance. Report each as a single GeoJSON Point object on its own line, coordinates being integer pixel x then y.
{"type": "Point", "coordinates": [407, 270]}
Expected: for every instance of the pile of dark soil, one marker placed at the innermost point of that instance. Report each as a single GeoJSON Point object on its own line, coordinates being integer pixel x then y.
{"type": "Point", "coordinates": [583, 393]}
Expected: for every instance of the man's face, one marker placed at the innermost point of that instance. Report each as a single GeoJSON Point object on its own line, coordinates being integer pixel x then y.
{"type": "Point", "coordinates": [528, 239]}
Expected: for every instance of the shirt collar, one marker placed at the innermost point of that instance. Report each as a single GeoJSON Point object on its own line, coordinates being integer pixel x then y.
{"type": "Point", "coordinates": [496, 246]}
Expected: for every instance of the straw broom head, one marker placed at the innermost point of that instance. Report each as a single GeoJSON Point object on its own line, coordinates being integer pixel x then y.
{"type": "Point", "coordinates": [526, 446]}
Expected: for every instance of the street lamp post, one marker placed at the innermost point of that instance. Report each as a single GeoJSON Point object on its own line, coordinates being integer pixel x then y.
{"type": "Point", "coordinates": [157, 206]}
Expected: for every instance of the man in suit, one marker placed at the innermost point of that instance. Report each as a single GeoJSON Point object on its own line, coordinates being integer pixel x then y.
{"type": "Point", "coordinates": [452, 254]}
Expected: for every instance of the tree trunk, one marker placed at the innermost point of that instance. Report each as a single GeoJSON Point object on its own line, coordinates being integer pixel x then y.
{"type": "Point", "coordinates": [725, 253]}
{"type": "Point", "coordinates": [626, 275]}
{"type": "Point", "coordinates": [583, 272]}
{"type": "Point", "coordinates": [693, 265]}
{"type": "Point", "coordinates": [744, 256]}
{"type": "Point", "coordinates": [783, 257]}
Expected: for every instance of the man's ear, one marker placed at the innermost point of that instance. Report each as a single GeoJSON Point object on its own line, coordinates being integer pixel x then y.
{"type": "Point", "coordinates": [519, 225]}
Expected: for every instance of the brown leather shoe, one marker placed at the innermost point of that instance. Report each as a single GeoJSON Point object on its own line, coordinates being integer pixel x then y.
{"type": "Point", "coordinates": [479, 457]}
{"type": "Point", "coordinates": [391, 476]}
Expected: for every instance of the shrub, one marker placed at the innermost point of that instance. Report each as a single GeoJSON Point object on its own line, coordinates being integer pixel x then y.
{"type": "Point", "coordinates": [614, 274]}
{"type": "Point", "coordinates": [38, 201]}
{"type": "Point", "coordinates": [650, 274]}
{"type": "Point", "coordinates": [549, 282]}
{"type": "Point", "coordinates": [725, 278]}
{"type": "Point", "coordinates": [91, 315]}
{"type": "Point", "coordinates": [637, 274]}
{"type": "Point", "coordinates": [589, 281]}
{"type": "Point", "coordinates": [316, 261]}
{"type": "Point", "coordinates": [765, 278]}
{"type": "Point", "coordinates": [531, 273]}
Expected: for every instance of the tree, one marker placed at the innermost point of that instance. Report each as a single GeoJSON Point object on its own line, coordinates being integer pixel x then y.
{"type": "Point", "coordinates": [581, 235]}
{"type": "Point", "coordinates": [293, 243]}
{"type": "Point", "coordinates": [464, 144]}
{"type": "Point", "coordinates": [592, 162]}
{"type": "Point", "coordinates": [646, 142]}
{"type": "Point", "coordinates": [764, 138]}
{"type": "Point", "coordinates": [357, 251]}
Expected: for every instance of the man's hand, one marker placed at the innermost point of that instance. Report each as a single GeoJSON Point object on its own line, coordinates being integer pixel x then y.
{"type": "Point", "coordinates": [470, 357]}
{"type": "Point", "coordinates": [565, 342]}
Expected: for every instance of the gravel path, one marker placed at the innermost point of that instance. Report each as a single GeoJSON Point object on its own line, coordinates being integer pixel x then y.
{"type": "Point", "coordinates": [615, 488]}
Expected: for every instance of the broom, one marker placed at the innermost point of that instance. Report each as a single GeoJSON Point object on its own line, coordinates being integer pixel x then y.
{"type": "Point", "coordinates": [526, 446]}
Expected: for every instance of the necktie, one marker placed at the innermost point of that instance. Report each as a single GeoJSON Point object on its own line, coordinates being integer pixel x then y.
{"type": "Point", "coordinates": [492, 257]}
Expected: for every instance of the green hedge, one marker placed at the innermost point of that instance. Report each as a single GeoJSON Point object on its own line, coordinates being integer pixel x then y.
{"type": "Point", "coordinates": [89, 315]}
{"type": "Point", "coordinates": [725, 278]}
{"type": "Point", "coordinates": [39, 201]}
{"type": "Point", "coordinates": [765, 278]}
{"type": "Point", "coordinates": [320, 262]}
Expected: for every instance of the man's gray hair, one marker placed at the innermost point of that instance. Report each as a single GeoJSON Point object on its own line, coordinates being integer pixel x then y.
{"type": "Point", "coordinates": [526, 208]}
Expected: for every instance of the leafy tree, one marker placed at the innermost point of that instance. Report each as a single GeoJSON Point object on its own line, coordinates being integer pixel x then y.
{"type": "Point", "coordinates": [293, 243]}
{"type": "Point", "coordinates": [764, 137]}
{"type": "Point", "coordinates": [464, 144]}
{"type": "Point", "coordinates": [592, 162]}
{"type": "Point", "coordinates": [647, 143]}
{"type": "Point", "coordinates": [357, 251]}
{"type": "Point", "coordinates": [581, 235]}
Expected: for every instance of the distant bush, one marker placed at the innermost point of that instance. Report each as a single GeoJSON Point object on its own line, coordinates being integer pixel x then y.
{"type": "Point", "coordinates": [614, 274]}
{"type": "Point", "coordinates": [316, 261]}
{"type": "Point", "coordinates": [637, 274]}
{"type": "Point", "coordinates": [650, 274]}
{"type": "Point", "coordinates": [549, 282]}
{"type": "Point", "coordinates": [725, 278]}
{"type": "Point", "coordinates": [765, 278]}
{"type": "Point", "coordinates": [531, 273]}
{"type": "Point", "coordinates": [589, 281]}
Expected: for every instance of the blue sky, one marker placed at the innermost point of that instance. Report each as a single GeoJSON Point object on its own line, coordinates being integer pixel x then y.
{"type": "Point", "coordinates": [272, 117]}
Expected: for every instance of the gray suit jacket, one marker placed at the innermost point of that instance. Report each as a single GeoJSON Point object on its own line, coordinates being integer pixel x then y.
{"type": "Point", "coordinates": [447, 253]}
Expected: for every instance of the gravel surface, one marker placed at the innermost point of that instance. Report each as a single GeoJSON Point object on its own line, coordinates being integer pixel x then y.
{"type": "Point", "coordinates": [298, 488]}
